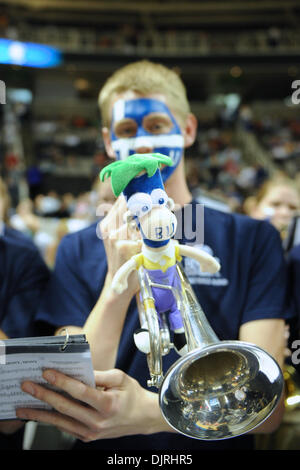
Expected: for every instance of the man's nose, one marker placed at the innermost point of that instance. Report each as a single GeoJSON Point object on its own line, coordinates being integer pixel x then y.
{"type": "Point", "coordinates": [143, 145]}
{"type": "Point", "coordinates": [143, 150]}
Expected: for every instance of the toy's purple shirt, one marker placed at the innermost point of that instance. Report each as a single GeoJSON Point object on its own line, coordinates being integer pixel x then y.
{"type": "Point", "coordinates": [161, 268]}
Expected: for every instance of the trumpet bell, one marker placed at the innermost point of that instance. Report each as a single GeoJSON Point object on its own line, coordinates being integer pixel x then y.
{"type": "Point", "coordinates": [221, 391]}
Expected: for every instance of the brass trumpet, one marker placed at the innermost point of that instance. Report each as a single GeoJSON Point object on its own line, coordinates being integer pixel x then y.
{"type": "Point", "coordinates": [219, 389]}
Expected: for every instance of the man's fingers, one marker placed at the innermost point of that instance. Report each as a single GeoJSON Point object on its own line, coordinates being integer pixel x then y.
{"type": "Point", "coordinates": [113, 378]}
{"type": "Point", "coordinates": [65, 406]}
{"type": "Point", "coordinates": [124, 233]}
{"type": "Point", "coordinates": [112, 227]}
{"type": "Point", "coordinates": [121, 233]}
{"type": "Point", "coordinates": [69, 414]}
{"type": "Point", "coordinates": [63, 422]}
{"type": "Point", "coordinates": [97, 399]}
{"type": "Point", "coordinates": [129, 248]}
{"type": "Point", "coordinates": [86, 422]}
{"type": "Point", "coordinates": [114, 218]}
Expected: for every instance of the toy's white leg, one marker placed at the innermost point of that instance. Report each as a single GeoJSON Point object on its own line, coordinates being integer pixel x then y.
{"type": "Point", "coordinates": [142, 339]}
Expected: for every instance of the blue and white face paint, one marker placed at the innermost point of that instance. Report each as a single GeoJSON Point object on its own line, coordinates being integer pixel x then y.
{"type": "Point", "coordinates": [146, 123]}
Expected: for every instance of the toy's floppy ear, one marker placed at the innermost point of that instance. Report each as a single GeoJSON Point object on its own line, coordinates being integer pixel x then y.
{"type": "Point", "coordinates": [170, 204]}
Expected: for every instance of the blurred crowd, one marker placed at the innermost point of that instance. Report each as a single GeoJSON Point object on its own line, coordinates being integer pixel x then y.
{"type": "Point", "coordinates": [128, 37]}
{"type": "Point", "coordinates": [281, 137]}
{"type": "Point", "coordinates": [230, 171]}
{"type": "Point", "coordinates": [47, 218]}
{"type": "Point", "coordinates": [217, 170]}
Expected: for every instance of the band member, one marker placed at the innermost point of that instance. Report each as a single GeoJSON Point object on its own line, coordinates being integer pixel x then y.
{"type": "Point", "coordinates": [244, 300]}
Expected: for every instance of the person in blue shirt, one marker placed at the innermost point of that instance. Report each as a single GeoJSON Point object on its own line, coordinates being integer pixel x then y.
{"type": "Point", "coordinates": [293, 264]}
{"type": "Point", "coordinates": [145, 109]}
{"type": "Point", "coordinates": [294, 272]}
{"type": "Point", "coordinates": [23, 277]}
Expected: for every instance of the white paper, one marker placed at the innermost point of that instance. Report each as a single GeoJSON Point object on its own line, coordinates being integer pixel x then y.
{"type": "Point", "coordinates": [28, 366]}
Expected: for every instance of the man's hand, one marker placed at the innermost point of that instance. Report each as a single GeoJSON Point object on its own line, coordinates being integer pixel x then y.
{"type": "Point", "coordinates": [120, 241]}
{"type": "Point", "coordinates": [110, 310]}
{"type": "Point", "coordinates": [119, 406]}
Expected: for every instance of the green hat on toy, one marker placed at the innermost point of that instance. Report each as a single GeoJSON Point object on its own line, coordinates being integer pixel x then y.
{"type": "Point", "coordinates": [124, 173]}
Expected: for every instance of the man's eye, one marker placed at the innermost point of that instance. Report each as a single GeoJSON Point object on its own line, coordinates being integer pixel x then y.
{"type": "Point", "coordinates": [125, 130]}
{"type": "Point", "coordinates": [159, 128]}
{"type": "Point", "coordinates": [157, 125]}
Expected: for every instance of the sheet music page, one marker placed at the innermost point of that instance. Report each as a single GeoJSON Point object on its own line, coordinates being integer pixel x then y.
{"type": "Point", "coordinates": [29, 366]}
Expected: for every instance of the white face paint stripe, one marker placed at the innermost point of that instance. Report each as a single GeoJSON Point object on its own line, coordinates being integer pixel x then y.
{"type": "Point", "coordinates": [123, 149]}
{"type": "Point", "coordinates": [174, 140]}
{"type": "Point", "coordinates": [119, 110]}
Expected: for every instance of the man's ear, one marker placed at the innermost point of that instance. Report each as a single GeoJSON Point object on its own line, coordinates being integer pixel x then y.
{"type": "Point", "coordinates": [107, 142]}
{"type": "Point", "coordinates": [190, 130]}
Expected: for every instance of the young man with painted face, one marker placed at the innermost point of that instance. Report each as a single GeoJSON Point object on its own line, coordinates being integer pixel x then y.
{"type": "Point", "coordinates": [145, 109]}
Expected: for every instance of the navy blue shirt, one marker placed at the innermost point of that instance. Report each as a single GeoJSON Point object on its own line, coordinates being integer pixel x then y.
{"type": "Point", "coordinates": [23, 278]}
{"type": "Point", "coordinates": [250, 286]}
{"type": "Point", "coordinates": [294, 273]}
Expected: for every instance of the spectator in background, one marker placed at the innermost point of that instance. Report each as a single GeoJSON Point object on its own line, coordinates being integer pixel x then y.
{"type": "Point", "coordinates": [34, 179]}
{"type": "Point", "coordinates": [48, 205]}
{"type": "Point", "coordinates": [24, 219]}
{"type": "Point", "coordinates": [23, 277]}
{"type": "Point", "coordinates": [294, 264]}
{"type": "Point", "coordinates": [62, 229]}
{"type": "Point", "coordinates": [277, 200]}
{"type": "Point", "coordinates": [103, 193]}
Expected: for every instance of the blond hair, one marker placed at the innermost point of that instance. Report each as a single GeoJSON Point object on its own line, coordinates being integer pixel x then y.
{"type": "Point", "coordinates": [145, 77]}
{"type": "Point", "coordinates": [278, 180]}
